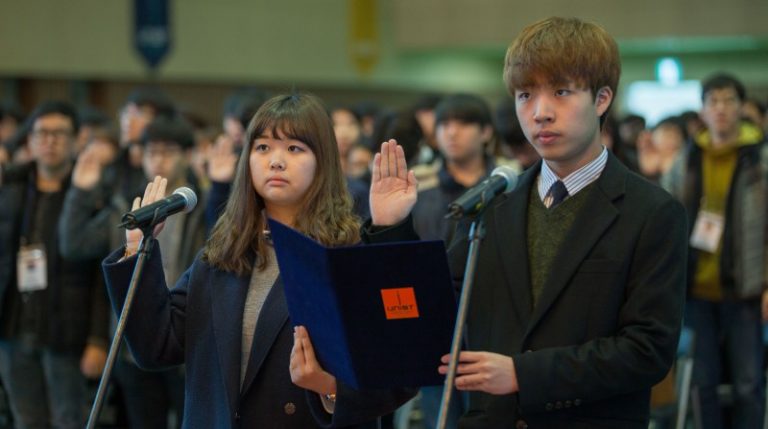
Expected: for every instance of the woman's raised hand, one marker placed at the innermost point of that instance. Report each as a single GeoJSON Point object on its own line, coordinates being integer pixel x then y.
{"type": "Point", "coordinates": [154, 191]}
{"type": "Point", "coordinates": [393, 187]}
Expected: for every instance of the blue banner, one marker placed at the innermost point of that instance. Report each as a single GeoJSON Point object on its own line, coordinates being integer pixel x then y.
{"type": "Point", "coordinates": [152, 35]}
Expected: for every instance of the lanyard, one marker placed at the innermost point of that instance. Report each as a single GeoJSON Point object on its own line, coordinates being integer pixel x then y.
{"type": "Point", "coordinates": [29, 214]}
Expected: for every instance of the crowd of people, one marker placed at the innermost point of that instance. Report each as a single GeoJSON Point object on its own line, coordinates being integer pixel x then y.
{"type": "Point", "coordinates": [70, 172]}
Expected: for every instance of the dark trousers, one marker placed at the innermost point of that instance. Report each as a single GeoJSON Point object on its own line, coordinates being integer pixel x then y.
{"type": "Point", "coordinates": [45, 388]}
{"type": "Point", "coordinates": [730, 331]}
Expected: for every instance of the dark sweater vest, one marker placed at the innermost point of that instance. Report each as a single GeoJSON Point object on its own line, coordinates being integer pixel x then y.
{"type": "Point", "coordinates": [547, 228]}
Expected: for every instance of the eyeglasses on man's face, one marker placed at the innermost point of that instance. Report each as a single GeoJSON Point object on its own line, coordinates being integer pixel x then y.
{"type": "Point", "coordinates": [58, 134]}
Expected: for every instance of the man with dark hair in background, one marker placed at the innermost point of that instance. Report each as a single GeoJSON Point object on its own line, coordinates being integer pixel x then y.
{"type": "Point", "coordinates": [424, 111]}
{"type": "Point", "coordinates": [92, 122]}
{"type": "Point", "coordinates": [514, 144]}
{"type": "Point", "coordinates": [11, 118]}
{"type": "Point", "coordinates": [143, 105]}
{"type": "Point", "coordinates": [402, 126]}
{"type": "Point", "coordinates": [239, 108]}
{"type": "Point", "coordinates": [102, 192]}
{"type": "Point", "coordinates": [54, 317]}
{"type": "Point", "coordinates": [11, 131]}
{"type": "Point", "coordinates": [464, 130]}
{"type": "Point", "coordinates": [167, 145]}
{"type": "Point", "coordinates": [630, 129]}
{"type": "Point", "coordinates": [103, 187]}
{"type": "Point", "coordinates": [723, 187]}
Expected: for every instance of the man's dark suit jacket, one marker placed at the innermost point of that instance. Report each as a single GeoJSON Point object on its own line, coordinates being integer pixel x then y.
{"type": "Point", "coordinates": [199, 322]}
{"type": "Point", "coordinates": [607, 323]}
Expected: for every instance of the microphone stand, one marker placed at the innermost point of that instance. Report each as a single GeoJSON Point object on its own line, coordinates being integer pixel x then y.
{"type": "Point", "coordinates": [476, 235]}
{"type": "Point", "coordinates": [145, 248]}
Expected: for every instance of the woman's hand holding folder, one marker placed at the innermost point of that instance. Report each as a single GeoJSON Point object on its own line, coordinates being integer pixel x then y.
{"type": "Point", "coordinates": [306, 371]}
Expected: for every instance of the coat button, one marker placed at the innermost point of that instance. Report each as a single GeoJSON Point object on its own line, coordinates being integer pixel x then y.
{"type": "Point", "coordinates": [289, 408]}
{"type": "Point", "coordinates": [577, 402]}
{"type": "Point", "coordinates": [521, 424]}
{"type": "Point", "coordinates": [549, 406]}
{"type": "Point", "coordinates": [568, 404]}
{"type": "Point", "coordinates": [558, 405]}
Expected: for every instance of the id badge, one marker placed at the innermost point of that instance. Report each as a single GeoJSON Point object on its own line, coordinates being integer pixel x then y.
{"type": "Point", "coordinates": [707, 231]}
{"type": "Point", "coordinates": [31, 268]}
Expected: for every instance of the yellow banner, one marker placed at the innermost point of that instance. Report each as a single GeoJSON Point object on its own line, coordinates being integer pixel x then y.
{"type": "Point", "coordinates": [363, 34]}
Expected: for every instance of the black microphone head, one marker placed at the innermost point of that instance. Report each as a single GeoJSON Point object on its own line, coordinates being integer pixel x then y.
{"type": "Point", "coordinates": [508, 173]}
{"type": "Point", "coordinates": [189, 196]}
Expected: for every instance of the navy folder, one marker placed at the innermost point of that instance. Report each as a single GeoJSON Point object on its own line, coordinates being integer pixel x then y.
{"type": "Point", "coordinates": [378, 315]}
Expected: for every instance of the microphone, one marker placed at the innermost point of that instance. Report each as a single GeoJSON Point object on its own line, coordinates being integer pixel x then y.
{"type": "Point", "coordinates": [182, 199]}
{"type": "Point", "coordinates": [502, 179]}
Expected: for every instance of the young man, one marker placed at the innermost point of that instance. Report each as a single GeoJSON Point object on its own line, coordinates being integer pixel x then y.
{"type": "Point", "coordinates": [144, 105]}
{"type": "Point", "coordinates": [577, 300]}
{"type": "Point", "coordinates": [101, 191]}
{"type": "Point", "coordinates": [87, 227]}
{"type": "Point", "coordinates": [463, 129]}
{"type": "Point", "coordinates": [167, 148]}
{"type": "Point", "coordinates": [54, 317]}
{"type": "Point", "coordinates": [722, 185]}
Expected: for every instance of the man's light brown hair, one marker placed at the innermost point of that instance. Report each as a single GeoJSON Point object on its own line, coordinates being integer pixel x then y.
{"type": "Point", "coordinates": [557, 51]}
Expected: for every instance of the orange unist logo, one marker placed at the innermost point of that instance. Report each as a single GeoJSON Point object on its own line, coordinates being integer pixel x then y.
{"type": "Point", "coordinates": [400, 303]}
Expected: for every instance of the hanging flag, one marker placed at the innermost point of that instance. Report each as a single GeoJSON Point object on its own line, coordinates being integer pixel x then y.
{"type": "Point", "coordinates": [363, 34]}
{"type": "Point", "coordinates": [152, 35]}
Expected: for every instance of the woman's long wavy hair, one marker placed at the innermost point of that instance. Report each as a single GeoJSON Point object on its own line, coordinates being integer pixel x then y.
{"type": "Point", "coordinates": [238, 239]}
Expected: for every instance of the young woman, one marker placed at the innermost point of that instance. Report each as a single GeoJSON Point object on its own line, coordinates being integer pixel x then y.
{"type": "Point", "coordinates": [226, 318]}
